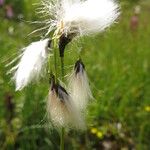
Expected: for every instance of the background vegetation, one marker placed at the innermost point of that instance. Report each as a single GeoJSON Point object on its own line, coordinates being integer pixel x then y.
{"type": "Point", "coordinates": [118, 66]}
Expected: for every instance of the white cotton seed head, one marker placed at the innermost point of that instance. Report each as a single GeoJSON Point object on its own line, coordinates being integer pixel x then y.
{"type": "Point", "coordinates": [31, 63]}
{"type": "Point", "coordinates": [90, 16]}
{"type": "Point", "coordinates": [81, 17]}
{"type": "Point", "coordinates": [79, 86]}
{"type": "Point", "coordinates": [61, 110]}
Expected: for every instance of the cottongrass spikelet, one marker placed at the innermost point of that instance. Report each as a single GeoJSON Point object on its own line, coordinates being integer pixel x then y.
{"type": "Point", "coordinates": [79, 17]}
{"type": "Point", "coordinates": [79, 86]}
{"type": "Point", "coordinates": [31, 63]}
{"type": "Point", "coordinates": [61, 110]}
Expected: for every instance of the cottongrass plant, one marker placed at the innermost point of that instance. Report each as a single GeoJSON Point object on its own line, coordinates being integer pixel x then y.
{"type": "Point", "coordinates": [79, 86]}
{"type": "Point", "coordinates": [31, 64]}
{"type": "Point", "coordinates": [66, 20]}
{"type": "Point", "coordinates": [79, 17]}
{"type": "Point", "coordinates": [61, 109]}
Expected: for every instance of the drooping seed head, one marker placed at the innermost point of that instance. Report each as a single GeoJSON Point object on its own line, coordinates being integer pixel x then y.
{"type": "Point", "coordinates": [61, 109]}
{"type": "Point", "coordinates": [79, 86]}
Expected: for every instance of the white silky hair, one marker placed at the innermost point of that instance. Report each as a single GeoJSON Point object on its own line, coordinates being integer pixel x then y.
{"type": "Point", "coordinates": [80, 89]}
{"type": "Point", "coordinates": [31, 63]}
{"type": "Point", "coordinates": [63, 113]}
{"type": "Point", "coordinates": [80, 17]}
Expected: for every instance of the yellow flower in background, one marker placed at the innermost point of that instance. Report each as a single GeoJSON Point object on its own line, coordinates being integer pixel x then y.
{"type": "Point", "coordinates": [94, 130]}
{"type": "Point", "coordinates": [99, 134]}
{"type": "Point", "coordinates": [147, 108]}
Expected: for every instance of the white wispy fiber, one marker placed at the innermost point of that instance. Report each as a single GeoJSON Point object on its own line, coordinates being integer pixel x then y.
{"type": "Point", "coordinates": [31, 63]}
{"type": "Point", "coordinates": [80, 17]}
{"type": "Point", "coordinates": [61, 110]}
{"type": "Point", "coordinates": [79, 86]}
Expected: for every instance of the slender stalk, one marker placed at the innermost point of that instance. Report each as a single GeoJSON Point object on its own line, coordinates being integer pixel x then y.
{"type": "Point", "coordinates": [55, 42]}
{"type": "Point", "coordinates": [55, 59]}
{"type": "Point", "coordinates": [62, 141]}
{"type": "Point", "coordinates": [62, 134]}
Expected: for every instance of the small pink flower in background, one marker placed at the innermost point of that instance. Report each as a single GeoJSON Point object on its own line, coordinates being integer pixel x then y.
{"type": "Point", "coordinates": [9, 12]}
{"type": "Point", "coordinates": [134, 22]}
{"type": "Point", "coordinates": [2, 2]}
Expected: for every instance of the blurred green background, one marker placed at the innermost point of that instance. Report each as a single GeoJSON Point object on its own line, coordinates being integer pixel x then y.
{"type": "Point", "coordinates": [118, 65]}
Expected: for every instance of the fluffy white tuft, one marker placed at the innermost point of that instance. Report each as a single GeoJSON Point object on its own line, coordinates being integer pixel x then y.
{"type": "Point", "coordinates": [31, 63]}
{"type": "Point", "coordinates": [80, 17]}
{"type": "Point", "coordinates": [62, 112]}
{"type": "Point", "coordinates": [80, 89]}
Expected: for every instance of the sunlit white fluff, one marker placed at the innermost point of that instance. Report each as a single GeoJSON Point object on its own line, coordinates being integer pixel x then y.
{"type": "Point", "coordinates": [61, 110]}
{"type": "Point", "coordinates": [79, 86]}
{"type": "Point", "coordinates": [81, 17]}
{"type": "Point", "coordinates": [31, 63]}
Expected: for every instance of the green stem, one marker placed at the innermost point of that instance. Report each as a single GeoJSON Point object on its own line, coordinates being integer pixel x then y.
{"type": "Point", "coordinates": [62, 142]}
{"type": "Point", "coordinates": [62, 134]}
{"type": "Point", "coordinates": [55, 60]}
{"type": "Point", "coordinates": [55, 42]}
